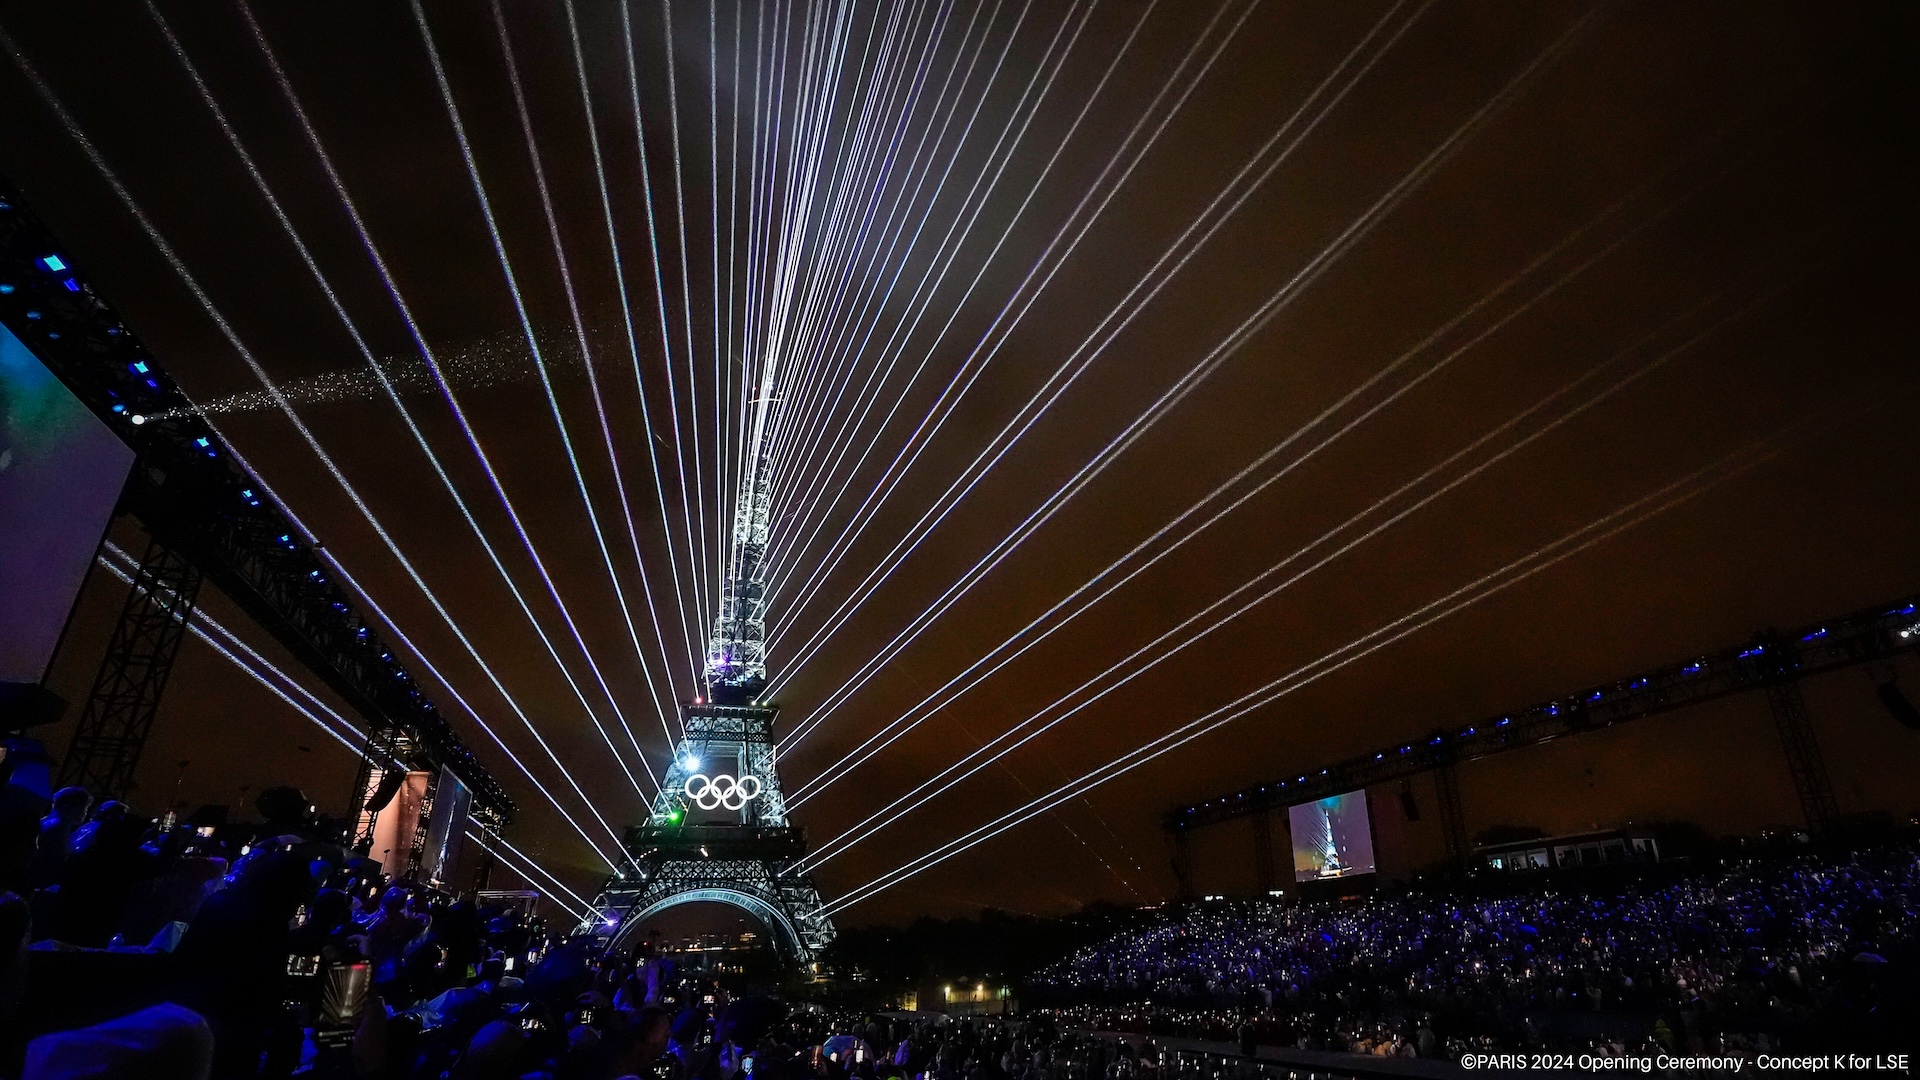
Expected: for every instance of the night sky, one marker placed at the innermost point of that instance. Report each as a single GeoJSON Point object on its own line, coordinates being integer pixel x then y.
{"type": "Point", "coordinates": [1715, 200]}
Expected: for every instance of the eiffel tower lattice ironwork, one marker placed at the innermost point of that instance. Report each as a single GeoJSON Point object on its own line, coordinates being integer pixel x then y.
{"type": "Point", "coordinates": [719, 832]}
{"type": "Point", "coordinates": [718, 829]}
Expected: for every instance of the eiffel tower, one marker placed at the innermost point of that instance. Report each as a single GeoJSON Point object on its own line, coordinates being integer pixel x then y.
{"type": "Point", "coordinates": [718, 829]}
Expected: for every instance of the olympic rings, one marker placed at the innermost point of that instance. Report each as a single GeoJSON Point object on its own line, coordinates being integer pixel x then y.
{"type": "Point", "coordinates": [722, 791]}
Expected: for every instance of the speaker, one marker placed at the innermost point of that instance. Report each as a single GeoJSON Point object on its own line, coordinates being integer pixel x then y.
{"type": "Point", "coordinates": [389, 786]}
{"type": "Point", "coordinates": [1897, 705]}
{"type": "Point", "coordinates": [1411, 808]}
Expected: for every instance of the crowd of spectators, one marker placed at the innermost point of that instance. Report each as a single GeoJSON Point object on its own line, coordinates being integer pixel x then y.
{"type": "Point", "coordinates": [153, 949]}
{"type": "Point", "coordinates": [162, 952]}
{"type": "Point", "coordinates": [899, 1047]}
{"type": "Point", "coordinates": [1806, 951]}
{"type": "Point", "coordinates": [133, 949]}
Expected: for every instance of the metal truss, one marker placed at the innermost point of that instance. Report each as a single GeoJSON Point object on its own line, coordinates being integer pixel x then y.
{"type": "Point", "coordinates": [788, 903]}
{"type": "Point", "coordinates": [1771, 660]}
{"type": "Point", "coordinates": [744, 855]}
{"type": "Point", "coordinates": [388, 749]}
{"type": "Point", "coordinates": [192, 495]}
{"type": "Point", "coordinates": [120, 711]}
{"type": "Point", "coordinates": [1263, 875]}
{"type": "Point", "coordinates": [736, 664]}
{"type": "Point", "coordinates": [741, 736]}
{"type": "Point", "coordinates": [1804, 761]}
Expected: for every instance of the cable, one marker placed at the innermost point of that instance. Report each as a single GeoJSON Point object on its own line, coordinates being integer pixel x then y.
{"type": "Point", "coordinates": [818, 855]}
{"type": "Point", "coordinates": [1128, 306]}
{"type": "Point", "coordinates": [1304, 278]}
{"type": "Point", "coordinates": [695, 627]}
{"type": "Point", "coordinates": [586, 355]}
{"type": "Point", "coordinates": [380, 375]}
{"type": "Point", "coordinates": [840, 769]}
{"type": "Point", "coordinates": [226, 330]}
{"type": "Point", "coordinates": [256, 666]}
{"type": "Point", "coordinates": [1540, 559]}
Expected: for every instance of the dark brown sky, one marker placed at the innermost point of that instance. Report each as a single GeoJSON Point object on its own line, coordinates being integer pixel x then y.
{"type": "Point", "coordinates": [1770, 150]}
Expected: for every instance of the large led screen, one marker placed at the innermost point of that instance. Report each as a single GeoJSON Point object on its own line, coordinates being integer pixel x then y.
{"type": "Point", "coordinates": [452, 802]}
{"type": "Point", "coordinates": [1332, 837]}
{"type": "Point", "coordinates": [60, 472]}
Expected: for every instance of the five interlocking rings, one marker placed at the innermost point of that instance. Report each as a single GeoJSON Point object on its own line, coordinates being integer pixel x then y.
{"type": "Point", "coordinates": [712, 793]}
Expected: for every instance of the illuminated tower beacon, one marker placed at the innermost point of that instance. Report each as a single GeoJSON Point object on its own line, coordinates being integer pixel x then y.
{"type": "Point", "coordinates": [718, 830]}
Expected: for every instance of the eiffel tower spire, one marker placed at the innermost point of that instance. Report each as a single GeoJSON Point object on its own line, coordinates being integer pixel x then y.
{"type": "Point", "coordinates": [736, 668]}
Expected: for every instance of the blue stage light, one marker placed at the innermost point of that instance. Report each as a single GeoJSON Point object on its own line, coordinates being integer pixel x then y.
{"type": "Point", "coordinates": [6, 288]}
{"type": "Point", "coordinates": [53, 263]}
{"type": "Point", "coordinates": [72, 285]}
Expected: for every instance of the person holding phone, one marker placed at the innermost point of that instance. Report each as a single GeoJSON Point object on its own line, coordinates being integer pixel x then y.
{"type": "Point", "coordinates": [233, 958]}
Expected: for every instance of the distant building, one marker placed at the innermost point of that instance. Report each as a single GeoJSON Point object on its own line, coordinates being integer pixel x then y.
{"type": "Point", "coordinates": [1613, 847]}
{"type": "Point", "coordinates": [960, 997]}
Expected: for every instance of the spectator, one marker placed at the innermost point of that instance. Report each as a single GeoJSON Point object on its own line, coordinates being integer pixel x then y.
{"type": "Point", "coordinates": [20, 813]}
{"type": "Point", "coordinates": [69, 812]}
